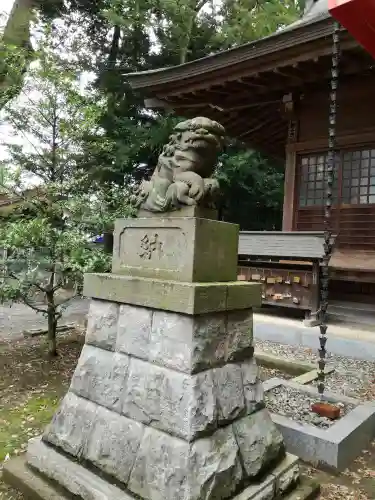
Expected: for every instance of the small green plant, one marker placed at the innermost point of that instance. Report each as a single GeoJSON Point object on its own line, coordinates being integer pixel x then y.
{"type": "Point", "coordinates": [47, 238]}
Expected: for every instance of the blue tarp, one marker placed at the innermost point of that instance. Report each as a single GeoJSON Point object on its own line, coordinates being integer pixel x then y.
{"type": "Point", "coordinates": [97, 239]}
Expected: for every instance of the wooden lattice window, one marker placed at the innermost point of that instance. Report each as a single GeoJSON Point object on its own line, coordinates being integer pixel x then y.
{"type": "Point", "coordinates": [358, 177]}
{"type": "Point", "coordinates": [313, 179]}
{"type": "Point", "coordinates": [354, 178]}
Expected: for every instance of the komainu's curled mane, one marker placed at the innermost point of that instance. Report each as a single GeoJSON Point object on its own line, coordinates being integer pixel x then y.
{"type": "Point", "coordinates": [184, 169]}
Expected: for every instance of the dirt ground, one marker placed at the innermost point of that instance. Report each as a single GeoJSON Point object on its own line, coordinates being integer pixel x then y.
{"type": "Point", "coordinates": [31, 386]}
{"type": "Point", "coordinates": [355, 483]}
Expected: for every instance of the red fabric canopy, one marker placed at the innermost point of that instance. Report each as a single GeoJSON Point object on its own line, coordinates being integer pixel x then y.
{"type": "Point", "coordinates": [358, 17]}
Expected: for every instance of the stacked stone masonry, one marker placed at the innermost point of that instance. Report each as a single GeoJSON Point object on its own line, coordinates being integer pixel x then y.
{"type": "Point", "coordinates": [168, 405]}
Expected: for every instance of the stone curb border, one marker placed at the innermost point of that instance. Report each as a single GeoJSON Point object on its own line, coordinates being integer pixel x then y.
{"type": "Point", "coordinates": [272, 361]}
{"type": "Point", "coordinates": [37, 332]}
{"type": "Point", "coordinates": [335, 447]}
{"type": "Point", "coordinates": [306, 372]}
{"type": "Point", "coordinates": [307, 378]}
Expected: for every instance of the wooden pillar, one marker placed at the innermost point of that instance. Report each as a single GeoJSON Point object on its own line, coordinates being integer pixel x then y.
{"type": "Point", "coordinates": [289, 191]}
{"type": "Point", "coordinates": [290, 165]}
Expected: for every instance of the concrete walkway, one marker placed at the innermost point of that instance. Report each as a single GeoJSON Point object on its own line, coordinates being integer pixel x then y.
{"type": "Point", "coordinates": [342, 340]}
{"type": "Point", "coordinates": [14, 320]}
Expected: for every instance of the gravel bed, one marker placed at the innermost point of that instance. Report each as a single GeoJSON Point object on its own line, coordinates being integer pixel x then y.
{"type": "Point", "coordinates": [296, 405]}
{"type": "Point", "coordinates": [267, 373]}
{"type": "Point", "coordinates": [352, 377]}
{"type": "Point", "coordinates": [351, 383]}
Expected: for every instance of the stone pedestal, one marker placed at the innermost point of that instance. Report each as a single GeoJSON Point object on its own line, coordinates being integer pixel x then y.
{"type": "Point", "coordinates": [166, 402]}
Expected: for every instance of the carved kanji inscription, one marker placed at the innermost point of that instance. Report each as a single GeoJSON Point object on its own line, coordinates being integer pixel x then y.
{"type": "Point", "coordinates": [150, 245]}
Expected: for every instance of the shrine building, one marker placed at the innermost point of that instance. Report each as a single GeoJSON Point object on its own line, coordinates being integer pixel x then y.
{"type": "Point", "coordinates": [273, 94]}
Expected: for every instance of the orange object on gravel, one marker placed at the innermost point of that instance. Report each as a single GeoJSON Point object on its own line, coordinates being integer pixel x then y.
{"type": "Point", "coordinates": [326, 410]}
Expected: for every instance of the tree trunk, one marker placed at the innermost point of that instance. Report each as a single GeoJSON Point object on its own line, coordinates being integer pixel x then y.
{"type": "Point", "coordinates": [108, 242]}
{"type": "Point", "coordinates": [115, 44]}
{"type": "Point", "coordinates": [195, 7]}
{"type": "Point", "coordinates": [185, 43]}
{"type": "Point", "coordinates": [52, 325]}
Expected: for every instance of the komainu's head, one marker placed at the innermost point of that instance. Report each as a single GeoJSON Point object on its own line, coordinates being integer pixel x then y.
{"type": "Point", "coordinates": [194, 146]}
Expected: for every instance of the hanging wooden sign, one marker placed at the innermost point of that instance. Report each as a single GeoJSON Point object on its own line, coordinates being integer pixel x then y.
{"type": "Point", "coordinates": [358, 17]}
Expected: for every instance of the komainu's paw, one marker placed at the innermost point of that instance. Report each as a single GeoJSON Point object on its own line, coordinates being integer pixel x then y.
{"type": "Point", "coordinates": [211, 186]}
{"type": "Point", "coordinates": [196, 191]}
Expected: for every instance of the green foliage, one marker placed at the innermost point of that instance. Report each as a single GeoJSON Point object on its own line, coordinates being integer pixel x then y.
{"type": "Point", "coordinates": [112, 141]}
{"type": "Point", "coordinates": [183, 30]}
{"type": "Point", "coordinates": [4, 177]}
{"type": "Point", "coordinates": [13, 65]}
{"type": "Point", "coordinates": [48, 237]}
{"type": "Point", "coordinates": [247, 20]}
{"type": "Point", "coordinates": [252, 188]}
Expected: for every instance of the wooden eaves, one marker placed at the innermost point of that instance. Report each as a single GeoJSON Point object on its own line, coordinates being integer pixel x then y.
{"type": "Point", "coordinates": [244, 87]}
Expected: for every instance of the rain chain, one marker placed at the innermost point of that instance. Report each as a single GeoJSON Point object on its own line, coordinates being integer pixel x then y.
{"type": "Point", "coordinates": [330, 168]}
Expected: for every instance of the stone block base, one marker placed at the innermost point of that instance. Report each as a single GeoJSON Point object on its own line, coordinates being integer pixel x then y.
{"type": "Point", "coordinates": [187, 460]}
{"type": "Point", "coordinates": [333, 448]}
{"type": "Point", "coordinates": [175, 296]}
{"type": "Point", "coordinates": [168, 406]}
{"type": "Point", "coordinates": [70, 478]}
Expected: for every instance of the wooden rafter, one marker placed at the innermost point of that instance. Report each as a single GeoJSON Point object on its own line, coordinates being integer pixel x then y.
{"type": "Point", "coordinates": [256, 128]}
{"type": "Point", "coordinates": [233, 101]}
{"type": "Point", "coordinates": [254, 83]}
{"type": "Point", "coordinates": [264, 131]}
{"type": "Point", "coordinates": [258, 104]}
{"type": "Point", "coordinates": [252, 123]}
{"type": "Point", "coordinates": [252, 98]}
{"type": "Point", "coordinates": [289, 75]}
{"type": "Point", "coordinates": [251, 68]}
{"type": "Point", "coordinates": [248, 100]}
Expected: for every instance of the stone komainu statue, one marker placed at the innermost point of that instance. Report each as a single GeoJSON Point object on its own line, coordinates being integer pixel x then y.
{"type": "Point", "coordinates": [185, 166]}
